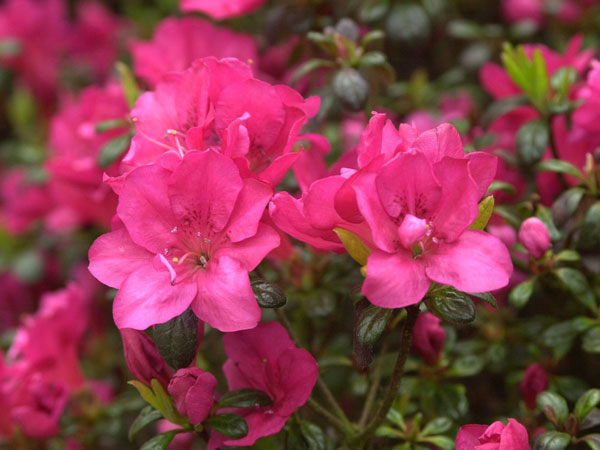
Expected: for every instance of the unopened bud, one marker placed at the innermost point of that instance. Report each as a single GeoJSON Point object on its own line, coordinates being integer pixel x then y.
{"type": "Point", "coordinates": [535, 237]}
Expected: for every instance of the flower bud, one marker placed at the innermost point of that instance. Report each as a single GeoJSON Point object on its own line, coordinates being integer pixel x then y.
{"type": "Point", "coordinates": [428, 338]}
{"type": "Point", "coordinates": [193, 392]}
{"type": "Point", "coordinates": [535, 237]}
{"type": "Point", "coordinates": [143, 359]}
{"type": "Point", "coordinates": [535, 380]}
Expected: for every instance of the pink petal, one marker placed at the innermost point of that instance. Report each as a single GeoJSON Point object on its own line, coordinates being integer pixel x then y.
{"type": "Point", "coordinates": [483, 170]}
{"type": "Point", "coordinates": [514, 437]}
{"type": "Point", "coordinates": [249, 208]}
{"type": "Point", "coordinates": [395, 280]}
{"type": "Point", "coordinates": [114, 256]}
{"type": "Point", "coordinates": [250, 252]}
{"type": "Point", "coordinates": [468, 436]}
{"type": "Point", "coordinates": [442, 141]}
{"type": "Point", "coordinates": [475, 262]}
{"type": "Point", "coordinates": [147, 297]}
{"type": "Point", "coordinates": [225, 299]}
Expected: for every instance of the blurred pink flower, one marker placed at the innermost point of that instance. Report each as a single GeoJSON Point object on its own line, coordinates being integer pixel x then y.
{"type": "Point", "coordinates": [221, 9]}
{"type": "Point", "coordinates": [535, 380]}
{"type": "Point", "coordinates": [428, 338]}
{"type": "Point", "coordinates": [497, 436]}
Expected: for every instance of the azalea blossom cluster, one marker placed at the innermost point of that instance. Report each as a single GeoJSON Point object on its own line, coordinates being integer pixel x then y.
{"type": "Point", "coordinates": [293, 240]}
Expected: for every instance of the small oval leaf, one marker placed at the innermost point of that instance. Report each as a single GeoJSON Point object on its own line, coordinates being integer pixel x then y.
{"type": "Point", "coordinates": [245, 398]}
{"type": "Point", "coordinates": [230, 425]}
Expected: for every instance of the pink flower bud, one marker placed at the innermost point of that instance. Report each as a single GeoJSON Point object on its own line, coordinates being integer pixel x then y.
{"type": "Point", "coordinates": [535, 237]}
{"type": "Point", "coordinates": [497, 436]}
{"type": "Point", "coordinates": [143, 359]}
{"type": "Point", "coordinates": [429, 338]}
{"type": "Point", "coordinates": [535, 380]}
{"type": "Point", "coordinates": [193, 391]}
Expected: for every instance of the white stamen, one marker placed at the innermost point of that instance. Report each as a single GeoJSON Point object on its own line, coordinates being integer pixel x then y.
{"type": "Point", "coordinates": [169, 268]}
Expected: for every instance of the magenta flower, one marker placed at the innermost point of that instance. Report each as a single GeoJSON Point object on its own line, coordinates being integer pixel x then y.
{"type": "Point", "coordinates": [535, 380]}
{"type": "Point", "coordinates": [190, 237]}
{"type": "Point", "coordinates": [193, 391]}
{"type": "Point", "coordinates": [521, 10]}
{"type": "Point", "coordinates": [428, 338]}
{"type": "Point", "coordinates": [265, 358]}
{"type": "Point", "coordinates": [218, 104]}
{"type": "Point", "coordinates": [6, 426]}
{"type": "Point", "coordinates": [221, 9]}
{"type": "Point", "coordinates": [76, 176]}
{"type": "Point", "coordinates": [535, 237]}
{"type": "Point", "coordinates": [178, 42]}
{"type": "Point", "coordinates": [497, 436]}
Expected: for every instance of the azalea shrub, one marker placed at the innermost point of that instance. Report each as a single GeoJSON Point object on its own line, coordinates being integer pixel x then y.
{"type": "Point", "coordinates": [303, 225]}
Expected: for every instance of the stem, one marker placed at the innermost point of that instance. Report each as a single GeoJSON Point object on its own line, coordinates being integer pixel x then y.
{"type": "Point", "coordinates": [405, 343]}
{"type": "Point", "coordinates": [341, 427]}
{"type": "Point", "coordinates": [320, 383]}
{"type": "Point", "coordinates": [372, 393]}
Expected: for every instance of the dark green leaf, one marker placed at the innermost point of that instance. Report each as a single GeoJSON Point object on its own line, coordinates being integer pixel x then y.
{"type": "Point", "coordinates": [370, 325]}
{"type": "Point", "coordinates": [230, 425]}
{"type": "Point", "coordinates": [554, 401]}
{"type": "Point", "coordinates": [566, 204]}
{"type": "Point", "coordinates": [268, 295]}
{"type": "Point", "coordinates": [110, 124]}
{"type": "Point", "coordinates": [351, 89]}
{"type": "Point", "coordinates": [373, 10]}
{"type": "Point", "coordinates": [502, 186]}
{"type": "Point", "coordinates": [160, 442]}
{"type": "Point", "coordinates": [591, 340]}
{"type": "Point", "coordinates": [521, 293]}
{"type": "Point", "coordinates": [177, 339]}
{"type": "Point", "coordinates": [407, 23]}
{"type": "Point", "coordinates": [567, 256]}
{"type": "Point", "coordinates": [552, 440]}
{"type": "Point", "coordinates": [532, 140]}
{"type": "Point", "coordinates": [445, 400]}
{"type": "Point", "coordinates": [589, 234]}
{"type": "Point", "coordinates": [574, 282]}
{"type": "Point", "coordinates": [370, 59]}
{"type": "Point", "coordinates": [562, 79]}
{"type": "Point", "coordinates": [501, 107]}
{"type": "Point", "coordinates": [451, 305]}
{"type": "Point", "coordinates": [113, 149]}
{"type": "Point", "coordinates": [586, 403]}
{"type": "Point", "coordinates": [591, 420]}
{"type": "Point", "coordinates": [313, 435]}
{"type": "Point", "coordinates": [558, 166]}
{"type": "Point", "coordinates": [486, 297]}
{"type": "Point", "coordinates": [443, 442]}
{"type": "Point", "coordinates": [592, 440]}
{"type": "Point", "coordinates": [245, 398]}
{"type": "Point", "coordinates": [545, 215]}
{"type": "Point", "coordinates": [372, 36]}
{"type": "Point", "coordinates": [146, 417]}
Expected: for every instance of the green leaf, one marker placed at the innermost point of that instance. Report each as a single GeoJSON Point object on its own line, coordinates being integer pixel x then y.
{"type": "Point", "coordinates": [532, 140]}
{"type": "Point", "coordinates": [448, 400]}
{"type": "Point", "coordinates": [128, 83]}
{"type": "Point", "coordinates": [371, 324]}
{"type": "Point", "coordinates": [371, 37]}
{"type": "Point", "coordinates": [396, 418]}
{"type": "Point", "coordinates": [574, 282]}
{"type": "Point", "coordinates": [466, 366]}
{"type": "Point", "coordinates": [521, 293]}
{"type": "Point", "coordinates": [562, 79]}
{"type": "Point", "coordinates": [113, 149]}
{"type": "Point", "coordinates": [586, 403]}
{"type": "Point", "coordinates": [177, 339]}
{"type": "Point", "coordinates": [591, 340]}
{"type": "Point", "coordinates": [371, 59]}
{"type": "Point", "coordinates": [451, 305]}
{"type": "Point", "coordinates": [230, 425]}
{"type": "Point", "coordinates": [146, 417]}
{"type": "Point", "coordinates": [355, 247]}
{"type": "Point", "coordinates": [556, 402]}
{"type": "Point", "coordinates": [372, 11]}
{"type": "Point", "coordinates": [545, 215]}
{"type": "Point", "coordinates": [552, 440]}
{"type": "Point", "coordinates": [268, 295]}
{"type": "Point", "coordinates": [160, 442]}
{"type": "Point", "coordinates": [501, 107]}
{"type": "Point", "coordinates": [486, 208]}
{"type": "Point", "coordinates": [540, 78]}
{"type": "Point", "coordinates": [503, 186]}
{"type": "Point", "coordinates": [307, 67]}
{"type": "Point", "coordinates": [313, 435]}
{"type": "Point", "coordinates": [591, 420]}
{"type": "Point", "coordinates": [323, 41]}
{"type": "Point", "coordinates": [443, 442]}
{"type": "Point", "coordinates": [164, 402]}
{"type": "Point", "coordinates": [110, 124]}
{"type": "Point", "coordinates": [146, 393]}
{"type": "Point", "coordinates": [592, 440]}
{"type": "Point", "coordinates": [245, 398]}
{"type": "Point", "coordinates": [10, 47]}
{"type": "Point", "coordinates": [486, 297]}
{"type": "Point", "coordinates": [589, 234]}
{"type": "Point", "coordinates": [566, 204]}
{"type": "Point", "coordinates": [567, 256]}
{"type": "Point", "coordinates": [387, 432]}
{"type": "Point", "coordinates": [438, 425]}
{"type": "Point", "coordinates": [558, 166]}
{"type": "Point", "coordinates": [351, 88]}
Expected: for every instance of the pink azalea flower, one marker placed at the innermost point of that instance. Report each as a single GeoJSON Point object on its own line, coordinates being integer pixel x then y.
{"type": "Point", "coordinates": [190, 237]}
{"type": "Point", "coordinates": [221, 9]}
{"type": "Point", "coordinates": [193, 392]}
{"type": "Point", "coordinates": [76, 176]}
{"type": "Point", "coordinates": [428, 338]}
{"type": "Point", "coordinates": [265, 358]}
{"type": "Point", "coordinates": [535, 237]}
{"type": "Point", "coordinates": [48, 343]}
{"type": "Point", "coordinates": [497, 436]}
{"type": "Point", "coordinates": [535, 380]}
{"type": "Point", "coordinates": [218, 104]}
{"type": "Point", "coordinates": [22, 201]}
{"type": "Point", "coordinates": [178, 42]}
{"type": "Point", "coordinates": [94, 38]}
{"type": "Point", "coordinates": [39, 28]}
{"type": "Point", "coordinates": [520, 10]}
